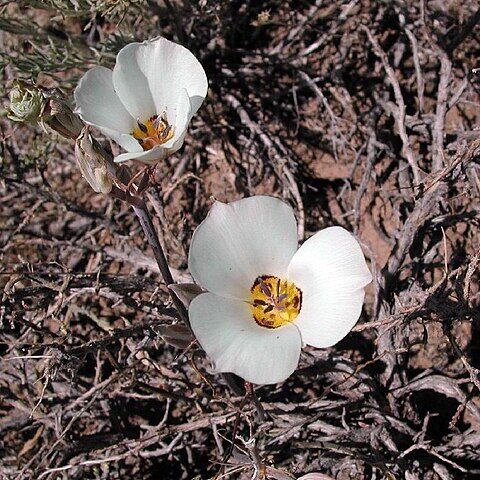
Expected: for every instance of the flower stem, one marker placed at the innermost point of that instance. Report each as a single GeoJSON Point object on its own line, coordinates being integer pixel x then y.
{"type": "Point", "coordinates": [256, 402]}
{"type": "Point", "coordinates": [140, 209]}
{"type": "Point", "coordinates": [139, 206]}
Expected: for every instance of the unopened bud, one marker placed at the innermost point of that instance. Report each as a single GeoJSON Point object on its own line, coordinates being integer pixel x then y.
{"type": "Point", "coordinates": [58, 115]}
{"type": "Point", "coordinates": [26, 103]}
{"type": "Point", "coordinates": [93, 165]}
{"type": "Point", "coordinates": [29, 103]}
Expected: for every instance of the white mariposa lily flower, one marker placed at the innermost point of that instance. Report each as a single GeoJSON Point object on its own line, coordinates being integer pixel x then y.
{"type": "Point", "coordinates": [146, 103]}
{"type": "Point", "coordinates": [265, 298]}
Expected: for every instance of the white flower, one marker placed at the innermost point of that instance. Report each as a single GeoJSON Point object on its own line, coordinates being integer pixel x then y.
{"type": "Point", "coordinates": [264, 297]}
{"type": "Point", "coordinates": [146, 103]}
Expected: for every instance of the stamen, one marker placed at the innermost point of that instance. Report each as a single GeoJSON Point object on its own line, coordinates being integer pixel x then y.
{"type": "Point", "coordinates": [156, 122]}
{"type": "Point", "coordinates": [282, 297]}
{"type": "Point", "coordinates": [259, 302]}
{"type": "Point", "coordinates": [273, 310]}
{"type": "Point", "coordinates": [165, 134]}
{"type": "Point", "coordinates": [265, 288]}
{"type": "Point", "coordinates": [154, 131]}
{"type": "Point", "coordinates": [142, 127]}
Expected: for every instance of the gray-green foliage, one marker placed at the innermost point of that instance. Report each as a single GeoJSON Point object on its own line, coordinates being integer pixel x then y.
{"type": "Point", "coordinates": [51, 50]}
{"type": "Point", "coordinates": [114, 9]}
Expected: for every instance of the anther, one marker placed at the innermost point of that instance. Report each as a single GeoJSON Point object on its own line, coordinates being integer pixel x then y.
{"type": "Point", "coordinates": [142, 127]}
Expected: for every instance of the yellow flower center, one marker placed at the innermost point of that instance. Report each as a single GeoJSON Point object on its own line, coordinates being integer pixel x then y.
{"type": "Point", "coordinates": [155, 131]}
{"type": "Point", "coordinates": [274, 302]}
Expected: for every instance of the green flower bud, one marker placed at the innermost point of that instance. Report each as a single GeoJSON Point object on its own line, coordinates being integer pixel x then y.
{"type": "Point", "coordinates": [26, 103]}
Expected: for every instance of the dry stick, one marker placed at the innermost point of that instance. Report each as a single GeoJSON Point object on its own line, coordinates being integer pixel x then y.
{"type": "Point", "coordinates": [333, 118]}
{"type": "Point", "coordinates": [137, 447]}
{"type": "Point", "coordinates": [400, 110]}
{"type": "Point", "coordinates": [249, 395]}
{"type": "Point", "coordinates": [472, 267]}
{"type": "Point", "coordinates": [418, 70]}
{"type": "Point", "coordinates": [93, 392]}
{"type": "Point", "coordinates": [457, 94]}
{"type": "Point", "coordinates": [309, 17]}
{"type": "Point", "coordinates": [462, 159]}
{"type": "Point", "coordinates": [438, 158]}
{"type": "Point", "coordinates": [229, 451]}
{"type": "Point", "coordinates": [460, 409]}
{"type": "Point", "coordinates": [425, 208]}
{"type": "Point", "coordinates": [435, 186]}
{"type": "Point", "coordinates": [276, 149]}
{"type": "Point", "coordinates": [465, 32]}
{"type": "Point", "coordinates": [258, 465]}
{"type": "Point", "coordinates": [371, 157]}
{"type": "Point", "coordinates": [472, 371]}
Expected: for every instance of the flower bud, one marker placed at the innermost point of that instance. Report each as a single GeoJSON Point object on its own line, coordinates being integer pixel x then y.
{"type": "Point", "coordinates": [93, 165]}
{"type": "Point", "coordinates": [29, 103]}
{"type": "Point", "coordinates": [26, 103]}
{"type": "Point", "coordinates": [58, 115]}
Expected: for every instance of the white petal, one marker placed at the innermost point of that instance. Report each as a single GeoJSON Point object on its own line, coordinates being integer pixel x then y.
{"type": "Point", "coordinates": [131, 84]}
{"type": "Point", "coordinates": [149, 157]}
{"type": "Point", "coordinates": [183, 115]}
{"type": "Point", "coordinates": [315, 476]}
{"type": "Point", "coordinates": [240, 241]}
{"type": "Point", "coordinates": [149, 77]}
{"type": "Point", "coordinates": [126, 141]}
{"type": "Point", "coordinates": [231, 338]}
{"type": "Point", "coordinates": [169, 69]}
{"type": "Point", "coordinates": [98, 104]}
{"type": "Point", "coordinates": [330, 270]}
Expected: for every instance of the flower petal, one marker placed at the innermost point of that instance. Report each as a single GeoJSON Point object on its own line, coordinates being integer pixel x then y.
{"type": "Point", "coordinates": [240, 241]}
{"type": "Point", "coordinates": [149, 157]}
{"type": "Point", "coordinates": [131, 84]}
{"type": "Point", "coordinates": [330, 270]}
{"type": "Point", "coordinates": [98, 105]}
{"type": "Point", "coordinates": [229, 335]}
{"type": "Point", "coordinates": [170, 68]}
{"type": "Point", "coordinates": [183, 115]}
{"type": "Point", "coordinates": [315, 476]}
{"type": "Point", "coordinates": [149, 77]}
